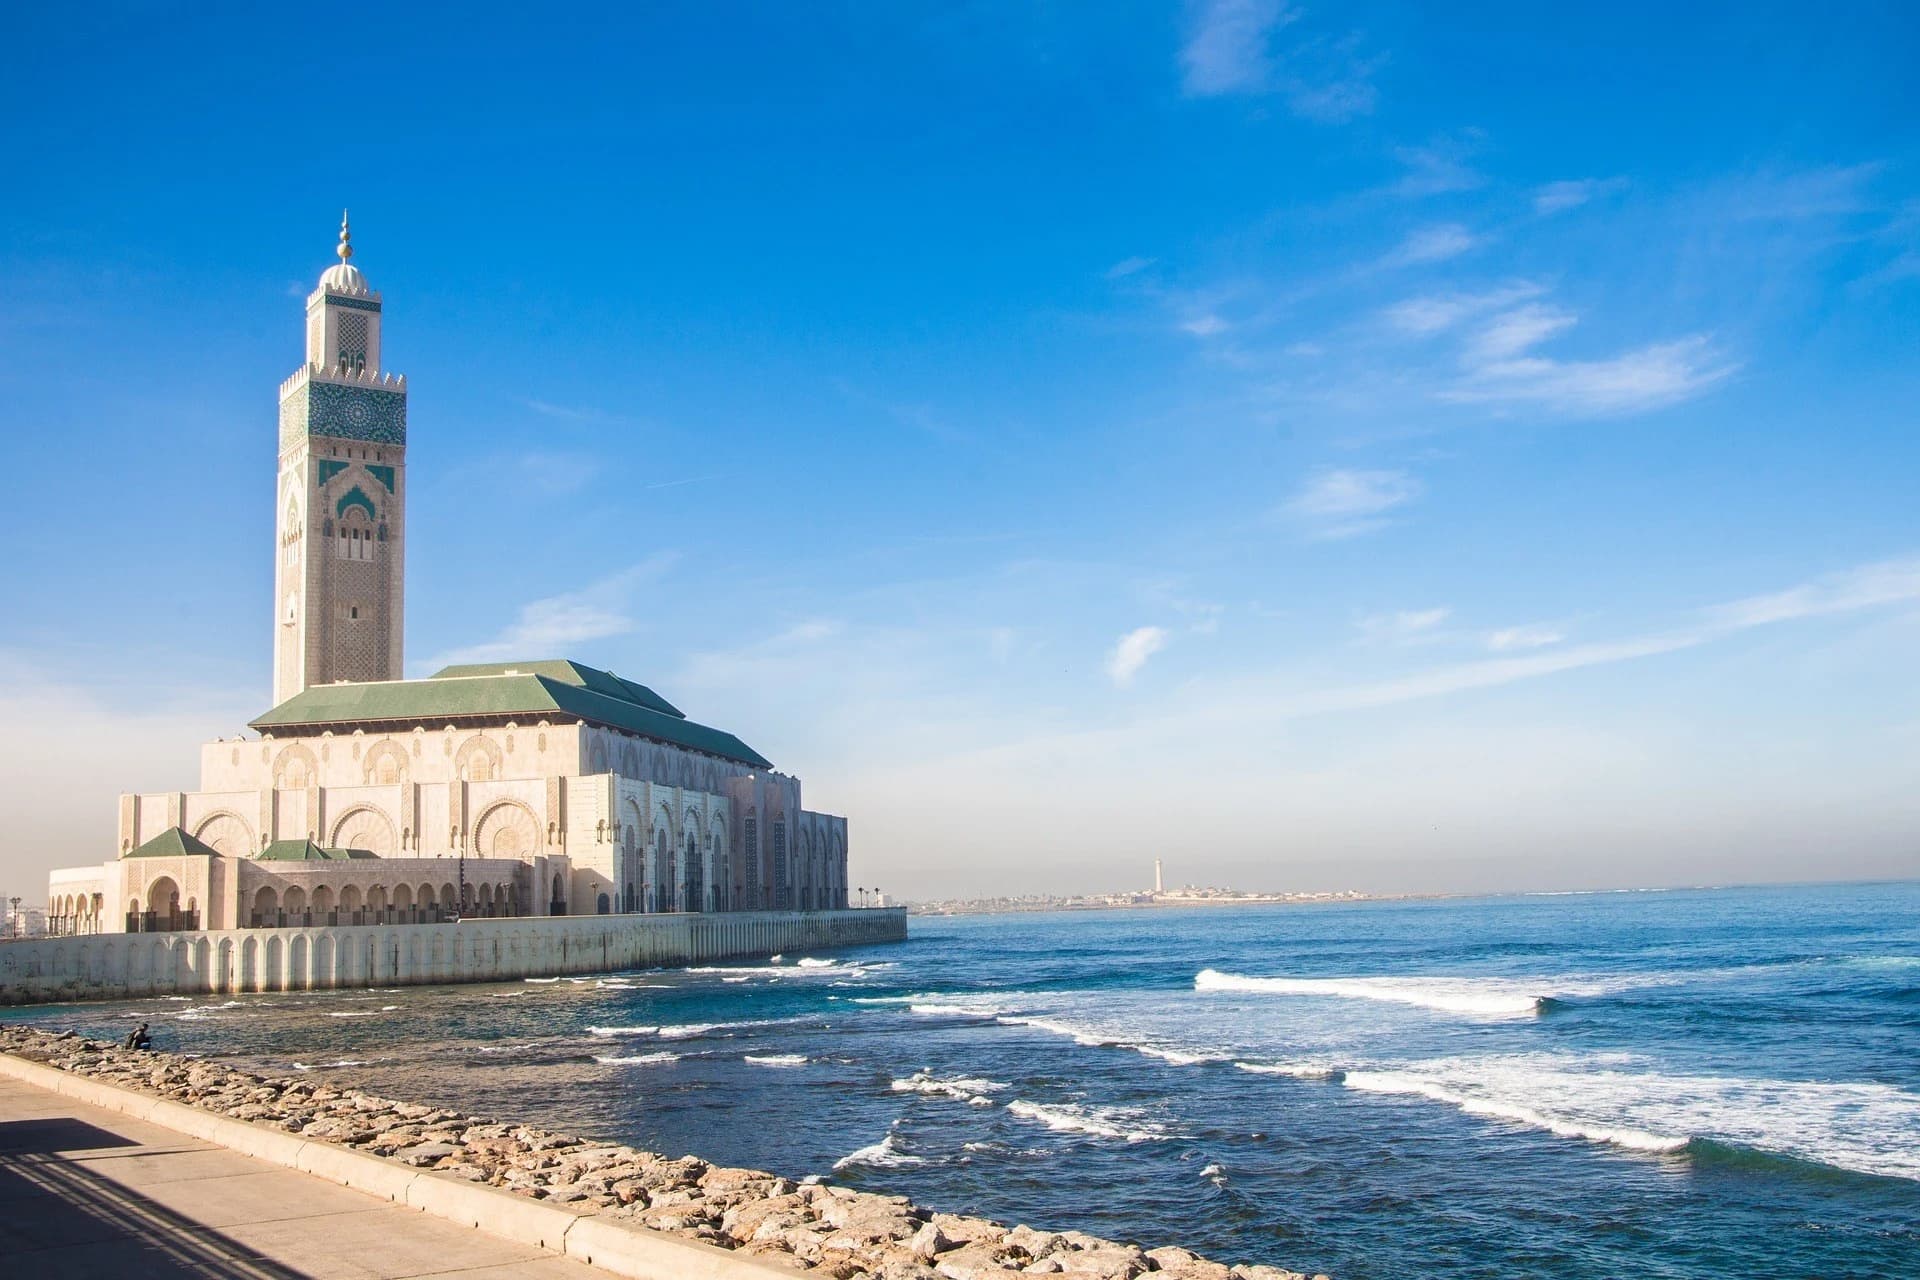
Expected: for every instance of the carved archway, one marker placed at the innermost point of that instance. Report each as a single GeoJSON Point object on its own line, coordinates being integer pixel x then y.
{"type": "Point", "coordinates": [507, 830]}
{"type": "Point", "coordinates": [227, 832]}
{"type": "Point", "coordinates": [364, 827]}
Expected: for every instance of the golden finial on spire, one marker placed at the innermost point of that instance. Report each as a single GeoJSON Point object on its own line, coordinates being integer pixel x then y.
{"type": "Point", "coordinates": [346, 238]}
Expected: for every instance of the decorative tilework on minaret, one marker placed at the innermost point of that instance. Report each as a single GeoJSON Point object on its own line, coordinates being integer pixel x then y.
{"type": "Point", "coordinates": [341, 499]}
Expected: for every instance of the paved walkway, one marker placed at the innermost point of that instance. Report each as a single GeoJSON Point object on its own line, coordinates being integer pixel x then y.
{"type": "Point", "coordinates": [90, 1192]}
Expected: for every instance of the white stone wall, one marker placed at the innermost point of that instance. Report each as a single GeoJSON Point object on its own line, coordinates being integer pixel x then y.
{"type": "Point", "coordinates": [110, 966]}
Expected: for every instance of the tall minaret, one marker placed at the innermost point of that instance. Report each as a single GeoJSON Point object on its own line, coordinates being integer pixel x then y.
{"type": "Point", "coordinates": [342, 495]}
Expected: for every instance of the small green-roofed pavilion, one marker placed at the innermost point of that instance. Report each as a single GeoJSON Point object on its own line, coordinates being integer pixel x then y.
{"type": "Point", "coordinates": [308, 851]}
{"type": "Point", "coordinates": [174, 843]}
{"type": "Point", "coordinates": [527, 691]}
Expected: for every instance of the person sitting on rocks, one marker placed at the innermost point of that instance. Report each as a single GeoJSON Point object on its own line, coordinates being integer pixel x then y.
{"type": "Point", "coordinates": [139, 1039]}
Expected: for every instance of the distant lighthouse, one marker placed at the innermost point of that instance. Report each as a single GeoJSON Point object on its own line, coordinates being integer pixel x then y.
{"type": "Point", "coordinates": [1158, 887]}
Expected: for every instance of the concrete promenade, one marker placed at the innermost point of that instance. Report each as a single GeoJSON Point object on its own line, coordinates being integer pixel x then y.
{"type": "Point", "coordinates": [85, 1191]}
{"type": "Point", "coordinates": [108, 966]}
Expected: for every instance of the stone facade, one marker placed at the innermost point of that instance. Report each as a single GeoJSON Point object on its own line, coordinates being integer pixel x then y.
{"type": "Point", "coordinates": [603, 797]}
{"type": "Point", "coordinates": [341, 532]}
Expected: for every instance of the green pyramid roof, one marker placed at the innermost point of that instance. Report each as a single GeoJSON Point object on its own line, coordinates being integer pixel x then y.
{"type": "Point", "coordinates": [527, 691]}
{"type": "Point", "coordinates": [174, 843]}
{"type": "Point", "coordinates": [308, 851]}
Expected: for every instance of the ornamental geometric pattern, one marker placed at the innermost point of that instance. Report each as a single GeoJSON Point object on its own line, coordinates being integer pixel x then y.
{"type": "Point", "coordinates": [349, 413]}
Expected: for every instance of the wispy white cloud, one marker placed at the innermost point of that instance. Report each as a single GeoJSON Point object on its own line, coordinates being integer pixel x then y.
{"type": "Point", "coordinates": [1204, 325]}
{"type": "Point", "coordinates": [1518, 330]}
{"type": "Point", "coordinates": [1403, 626]}
{"type": "Point", "coordinates": [1881, 583]}
{"type": "Point", "coordinates": [1228, 46]}
{"type": "Point", "coordinates": [1645, 378]}
{"type": "Point", "coordinates": [1826, 192]}
{"type": "Point", "coordinates": [1127, 267]}
{"type": "Point", "coordinates": [1558, 197]}
{"type": "Point", "coordinates": [1132, 652]}
{"type": "Point", "coordinates": [1436, 313]}
{"type": "Point", "coordinates": [1344, 503]}
{"type": "Point", "coordinates": [1230, 49]}
{"type": "Point", "coordinates": [1438, 168]}
{"type": "Point", "coordinates": [1433, 244]}
{"type": "Point", "coordinates": [1532, 636]}
{"type": "Point", "coordinates": [547, 627]}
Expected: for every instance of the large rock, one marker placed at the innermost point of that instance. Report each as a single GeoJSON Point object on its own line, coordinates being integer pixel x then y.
{"type": "Point", "coordinates": [972, 1262]}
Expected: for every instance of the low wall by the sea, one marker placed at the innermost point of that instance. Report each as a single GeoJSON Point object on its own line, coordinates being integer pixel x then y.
{"type": "Point", "coordinates": [108, 966]}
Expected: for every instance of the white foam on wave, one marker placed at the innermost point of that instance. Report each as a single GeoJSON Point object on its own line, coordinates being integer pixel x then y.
{"type": "Point", "coordinates": [200, 1012]}
{"type": "Point", "coordinates": [1100, 1122]}
{"type": "Point", "coordinates": [971, 1089]}
{"type": "Point", "coordinates": [321, 1066]}
{"type": "Point", "coordinates": [1178, 1057]}
{"type": "Point", "coordinates": [1481, 997]}
{"type": "Point", "coordinates": [637, 1059]}
{"type": "Point", "coordinates": [1297, 1070]}
{"type": "Point", "coordinates": [622, 1031]}
{"type": "Point", "coordinates": [879, 1155]}
{"type": "Point", "coordinates": [363, 1013]}
{"type": "Point", "coordinates": [540, 980]}
{"type": "Point", "coordinates": [776, 1059]}
{"type": "Point", "coordinates": [1859, 1126]}
{"type": "Point", "coordinates": [812, 962]}
{"type": "Point", "coordinates": [1079, 1035]}
{"type": "Point", "coordinates": [1403, 1082]}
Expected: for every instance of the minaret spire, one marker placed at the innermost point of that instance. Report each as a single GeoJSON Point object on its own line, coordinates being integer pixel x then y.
{"type": "Point", "coordinates": [345, 248]}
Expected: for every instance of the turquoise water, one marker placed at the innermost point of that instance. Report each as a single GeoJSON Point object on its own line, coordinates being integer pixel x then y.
{"type": "Point", "coordinates": [1696, 1083]}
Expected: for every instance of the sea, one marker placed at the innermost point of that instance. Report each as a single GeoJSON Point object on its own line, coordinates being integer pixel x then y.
{"type": "Point", "coordinates": [1685, 1083]}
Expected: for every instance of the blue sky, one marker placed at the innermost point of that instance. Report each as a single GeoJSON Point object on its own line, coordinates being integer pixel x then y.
{"type": "Point", "coordinates": [1371, 445]}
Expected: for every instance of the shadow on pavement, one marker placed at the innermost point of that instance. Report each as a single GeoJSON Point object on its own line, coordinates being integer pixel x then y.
{"type": "Point", "coordinates": [58, 1217]}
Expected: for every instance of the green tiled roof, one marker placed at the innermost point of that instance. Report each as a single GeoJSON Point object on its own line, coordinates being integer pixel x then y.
{"type": "Point", "coordinates": [174, 843]}
{"type": "Point", "coordinates": [526, 690]}
{"type": "Point", "coordinates": [568, 673]}
{"type": "Point", "coordinates": [308, 851]}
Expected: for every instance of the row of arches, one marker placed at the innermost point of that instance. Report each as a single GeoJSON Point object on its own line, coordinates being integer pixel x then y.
{"type": "Point", "coordinates": [299, 906]}
{"type": "Point", "coordinates": [74, 913]}
{"type": "Point", "coordinates": [114, 964]}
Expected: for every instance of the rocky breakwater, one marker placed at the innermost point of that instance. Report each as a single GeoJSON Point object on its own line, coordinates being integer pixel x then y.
{"type": "Point", "coordinates": [811, 1227]}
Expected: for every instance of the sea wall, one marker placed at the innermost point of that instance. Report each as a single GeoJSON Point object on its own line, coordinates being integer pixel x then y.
{"type": "Point", "coordinates": [635, 1213]}
{"type": "Point", "coordinates": [109, 966]}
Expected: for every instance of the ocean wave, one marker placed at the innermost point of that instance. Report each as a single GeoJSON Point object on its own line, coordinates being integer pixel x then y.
{"type": "Point", "coordinates": [879, 1155]}
{"type": "Point", "coordinates": [622, 1031]}
{"type": "Point", "coordinates": [810, 962]}
{"type": "Point", "coordinates": [637, 1059]}
{"type": "Point", "coordinates": [1401, 1082]}
{"type": "Point", "coordinates": [363, 1013]}
{"type": "Point", "coordinates": [1099, 1122]}
{"type": "Point", "coordinates": [1482, 997]}
{"type": "Point", "coordinates": [1085, 1036]}
{"type": "Point", "coordinates": [776, 1059]}
{"type": "Point", "coordinates": [1858, 1126]}
{"type": "Point", "coordinates": [971, 1089]}
{"type": "Point", "coordinates": [1178, 1057]}
{"type": "Point", "coordinates": [1297, 1070]}
{"type": "Point", "coordinates": [321, 1066]}
{"type": "Point", "coordinates": [201, 1012]}
{"type": "Point", "coordinates": [688, 1030]}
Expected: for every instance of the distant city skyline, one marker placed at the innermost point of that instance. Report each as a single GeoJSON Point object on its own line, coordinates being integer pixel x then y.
{"type": "Point", "coordinates": [1361, 447]}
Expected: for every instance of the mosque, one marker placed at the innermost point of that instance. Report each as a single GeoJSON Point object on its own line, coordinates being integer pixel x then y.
{"type": "Point", "coordinates": [533, 788]}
